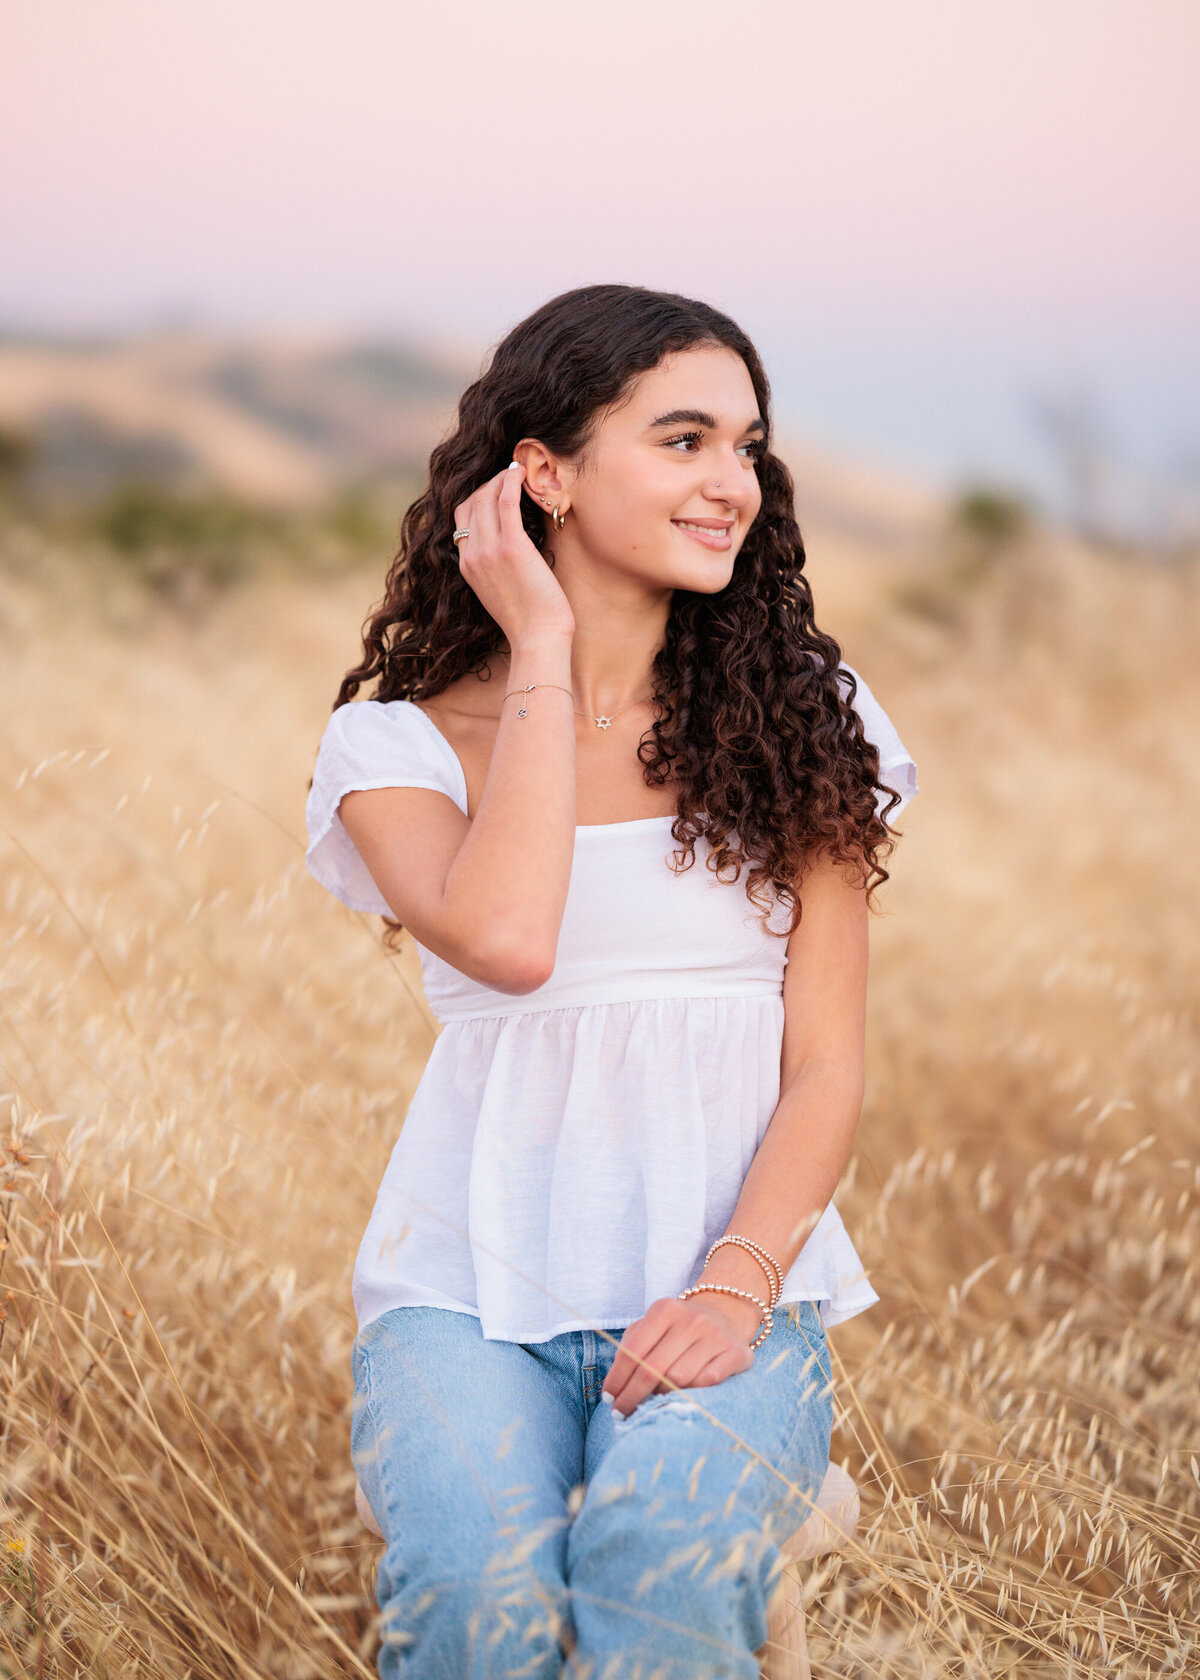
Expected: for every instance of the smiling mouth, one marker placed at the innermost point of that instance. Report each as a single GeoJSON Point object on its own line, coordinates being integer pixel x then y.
{"type": "Point", "coordinates": [717, 535]}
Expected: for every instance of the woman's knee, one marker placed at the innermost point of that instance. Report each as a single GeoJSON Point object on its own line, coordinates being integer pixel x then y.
{"type": "Point", "coordinates": [682, 1494]}
{"type": "Point", "coordinates": [440, 1618]}
{"type": "Point", "coordinates": [468, 1464]}
{"type": "Point", "coordinates": [676, 1588]}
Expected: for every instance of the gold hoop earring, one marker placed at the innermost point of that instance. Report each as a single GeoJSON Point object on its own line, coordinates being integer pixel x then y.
{"type": "Point", "coordinates": [558, 519]}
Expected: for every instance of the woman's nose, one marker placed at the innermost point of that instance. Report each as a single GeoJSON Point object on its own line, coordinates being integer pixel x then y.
{"type": "Point", "coordinates": [732, 485]}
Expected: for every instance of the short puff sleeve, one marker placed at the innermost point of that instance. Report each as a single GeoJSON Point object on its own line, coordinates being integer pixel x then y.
{"type": "Point", "coordinates": [370, 744]}
{"type": "Point", "coordinates": [897, 770]}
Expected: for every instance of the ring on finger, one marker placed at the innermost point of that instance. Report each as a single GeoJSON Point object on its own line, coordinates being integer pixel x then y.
{"type": "Point", "coordinates": [459, 535]}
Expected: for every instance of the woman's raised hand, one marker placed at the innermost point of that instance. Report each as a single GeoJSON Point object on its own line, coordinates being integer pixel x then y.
{"type": "Point", "coordinates": [504, 568]}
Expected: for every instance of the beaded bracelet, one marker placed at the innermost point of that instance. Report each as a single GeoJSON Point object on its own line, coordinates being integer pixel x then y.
{"type": "Point", "coordinates": [770, 1266]}
{"type": "Point", "coordinates": [768, 1321]}
{"type": "Point", "coordinates": [774, 1280]}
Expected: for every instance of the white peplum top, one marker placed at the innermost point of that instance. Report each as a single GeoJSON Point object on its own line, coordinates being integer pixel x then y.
{"type": "Point", "coordinates": [570, 1154]}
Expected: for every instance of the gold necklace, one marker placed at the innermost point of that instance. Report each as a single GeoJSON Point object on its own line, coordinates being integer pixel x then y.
{"type": "Point", "coordinates": [603, 722]}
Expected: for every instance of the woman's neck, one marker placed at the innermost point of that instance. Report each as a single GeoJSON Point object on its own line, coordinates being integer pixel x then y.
{"type": "Point", "coordinates": [612, 655]}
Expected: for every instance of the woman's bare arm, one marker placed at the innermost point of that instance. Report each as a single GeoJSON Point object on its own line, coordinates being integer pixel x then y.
{"type": "Point", "coordinates": [806, 1147]}
{"type": "Point", "coordinates": [487, 894]}
{"type": "Point", "coordinates": [797, 1165]}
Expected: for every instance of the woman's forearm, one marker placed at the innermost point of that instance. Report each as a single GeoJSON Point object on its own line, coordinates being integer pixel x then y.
{"type": "Point", "coordinates": [506, 887]}
{"type": "Point", "coordinates": [790, 1182]}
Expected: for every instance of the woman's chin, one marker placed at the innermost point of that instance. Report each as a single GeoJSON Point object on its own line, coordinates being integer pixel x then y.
{"type": "Point", "coordinates": [702, 579]}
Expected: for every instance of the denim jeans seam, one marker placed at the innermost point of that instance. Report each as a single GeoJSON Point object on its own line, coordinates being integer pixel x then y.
{"type": "Point", "coordinates": [825, 1397]}
{"type": "Point", "coordinates": [373, 1421]}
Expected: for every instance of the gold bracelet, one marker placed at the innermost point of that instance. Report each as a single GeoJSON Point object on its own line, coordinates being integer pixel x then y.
{"type": "Point", "coordinates": [770, 1266]}
{"type": "Point", "coordinates": [523, 709]}
{"type": "Point", "coordinates": [768, 1318]}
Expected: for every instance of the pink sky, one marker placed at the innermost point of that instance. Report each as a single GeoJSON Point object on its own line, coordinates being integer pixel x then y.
{"type": "Point", "coordinates": [977, 175]}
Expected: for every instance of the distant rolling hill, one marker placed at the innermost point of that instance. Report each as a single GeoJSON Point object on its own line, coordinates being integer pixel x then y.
{"type": "Point", "coordinates": [286, 420]}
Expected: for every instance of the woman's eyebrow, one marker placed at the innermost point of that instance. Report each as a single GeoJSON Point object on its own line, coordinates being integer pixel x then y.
{"type": "Point", "coordinates": [701, 417]}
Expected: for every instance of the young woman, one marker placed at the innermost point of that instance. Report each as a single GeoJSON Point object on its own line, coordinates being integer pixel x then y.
{"type": "Point", "coordinates": [630, 805]}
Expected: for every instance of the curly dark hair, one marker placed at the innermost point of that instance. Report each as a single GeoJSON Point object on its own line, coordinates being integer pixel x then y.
{"type": "Point", "coordinates": [756, 723]}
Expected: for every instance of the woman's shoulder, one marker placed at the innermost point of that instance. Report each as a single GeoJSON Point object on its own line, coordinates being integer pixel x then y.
{"type": "Point", "coordinates": [862, 698]}
{"type": "Point", "coordinates": [370, 744]}
{"type": "Point", "coordinates": [897, 768]}
{"type": "Point", "coordinates": [368, 712]}
{"type": "Point", "coordinates": [388, 742]}
{"type": "Point", "coordinates": [384, 724]}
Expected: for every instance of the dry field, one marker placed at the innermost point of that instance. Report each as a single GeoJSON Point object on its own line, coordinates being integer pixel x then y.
{"type": "Point", "coordinates": [206, 1061]}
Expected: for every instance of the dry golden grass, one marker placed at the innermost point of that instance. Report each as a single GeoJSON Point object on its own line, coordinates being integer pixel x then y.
{"type": "Point", "coordinates": [207, 1060]}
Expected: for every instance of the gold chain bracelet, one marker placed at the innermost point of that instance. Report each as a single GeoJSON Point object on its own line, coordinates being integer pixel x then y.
{"type": "Point", "coordinates": [523, 710]}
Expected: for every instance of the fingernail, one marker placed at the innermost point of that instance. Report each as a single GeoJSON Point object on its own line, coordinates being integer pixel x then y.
{"type": "Point", "coordinates": [606, 1397]}
{"type": "Point", "coordinates": [513, 464]}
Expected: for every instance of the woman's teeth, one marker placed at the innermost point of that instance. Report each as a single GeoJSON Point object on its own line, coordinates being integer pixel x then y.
{"type": "Point", "coordinates": [710, 536]}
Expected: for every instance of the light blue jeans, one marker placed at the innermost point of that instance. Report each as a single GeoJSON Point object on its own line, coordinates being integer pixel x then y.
{"type": "Point", "coordinates": [532, 1533]}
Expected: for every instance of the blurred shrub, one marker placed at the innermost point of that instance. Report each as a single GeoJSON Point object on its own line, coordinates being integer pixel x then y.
{"type": "Point", "coordinates": [182, 547]}
{"type": "Point", "coordinates": [16, 453]}
{"type": "Point", "coordinates": [139, 518]}
{"type": "Point", "coordinates": [364, 520]}
{"type": "Point", "coordinates": [982, 545]}
{"type": "Point", "coordinates": [990, 517]}
{"type": "Point", "coordinates": [185, 550]}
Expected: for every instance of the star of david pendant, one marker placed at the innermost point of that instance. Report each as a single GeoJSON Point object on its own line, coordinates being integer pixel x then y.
{"type": "Point", "coordinates": [603, 723]}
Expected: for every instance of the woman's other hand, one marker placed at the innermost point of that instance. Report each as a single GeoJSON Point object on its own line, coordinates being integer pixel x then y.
{"type": "Point", "coordinates": [694, 1343]}
{"type": "Point", "coordinates": [504, 568]}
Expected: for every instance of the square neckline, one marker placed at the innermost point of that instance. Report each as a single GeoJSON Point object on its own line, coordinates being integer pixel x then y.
{"type": "Point", "coordinates": [580, 828]}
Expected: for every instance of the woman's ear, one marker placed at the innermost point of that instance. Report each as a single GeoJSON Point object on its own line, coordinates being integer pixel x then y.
{"type": "Point", "coordinates": [542, 480]}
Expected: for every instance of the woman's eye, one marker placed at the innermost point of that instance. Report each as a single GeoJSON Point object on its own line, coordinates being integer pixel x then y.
{"type": "Point", "coordinates": [757, 447]}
